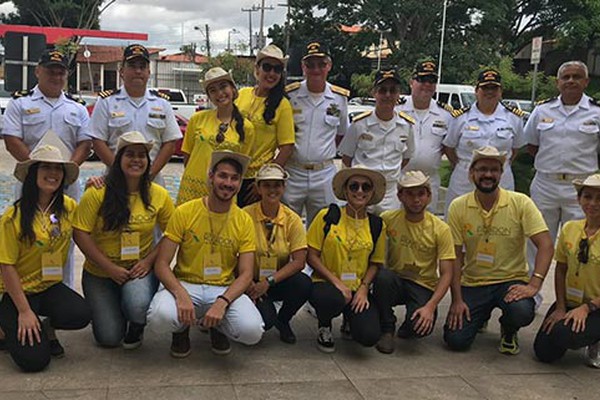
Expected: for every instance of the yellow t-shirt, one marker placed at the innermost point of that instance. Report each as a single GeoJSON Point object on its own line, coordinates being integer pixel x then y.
{"type": "Point", "coordinates": [507, 226]}
{"type": "Point", "coordinates": [588, 275]}
{"type": "Point", "coordinates": [26, 257]}
{"type": "Point", "coordinates": [202, 234]}
{"type": "Point", "coordinates": [346, 249]}
{"type": "Point", "coordinates": [87, 219]}
{"type": "Point", "coordinates": [287, 236]}
{"type": "Point", "coordinates": [414, 248]}
{"type": "Point", "coordinates": [199, 142]}
{"type": "Point", "coordinates": [268, 136]}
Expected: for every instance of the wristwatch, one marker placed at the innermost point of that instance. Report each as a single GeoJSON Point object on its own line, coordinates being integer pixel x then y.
{"type": "Point", "coordinates": [592, 307]}
{"type": "Point", "coordinates": [271, 280]}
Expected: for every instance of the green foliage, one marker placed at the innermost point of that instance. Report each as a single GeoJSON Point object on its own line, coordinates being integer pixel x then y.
{"type": "Point", "coordinates": [241, 69]}
{"type": "Point", "coordinates": [362, 84]}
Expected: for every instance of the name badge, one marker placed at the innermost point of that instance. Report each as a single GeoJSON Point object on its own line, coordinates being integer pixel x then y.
{"type": "Point", "coordinates": [212, 266]}
{"type": "Point", "coordinates": [117, 114]}
{"type": "Point", "coordinates": [31, 111]}
{"type": "Point", "coordinates": [52, 267]}
{"type": "Point", "coordinates": [268, 266]}
{"type": "Point", "coordinates": [348, 276]}
{"type": "Point", "coordinates": [130, 246]}
{"type": "Point", "coordinates": [486, 252]}
{"type": "Point", "coordinates": [574, 290]}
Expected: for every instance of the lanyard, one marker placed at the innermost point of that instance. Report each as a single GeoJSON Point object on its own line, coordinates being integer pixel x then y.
{"type": "Point", "coordinates": [210, 224]}
{"type": "Point", "coordinates": [50, 223]}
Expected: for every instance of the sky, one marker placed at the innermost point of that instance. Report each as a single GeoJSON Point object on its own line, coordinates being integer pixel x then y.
{"type": "Point", "coordinates": [169, 23]}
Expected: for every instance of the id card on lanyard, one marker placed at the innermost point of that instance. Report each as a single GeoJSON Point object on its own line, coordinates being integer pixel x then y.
{"type": "Point", "coordinates": [130, 246]}
{"type": "Point", "coordinates": [52, 269]}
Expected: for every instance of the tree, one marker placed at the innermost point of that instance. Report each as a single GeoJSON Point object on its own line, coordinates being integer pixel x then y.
{"type": "Point", "coordinates": [241, 69]}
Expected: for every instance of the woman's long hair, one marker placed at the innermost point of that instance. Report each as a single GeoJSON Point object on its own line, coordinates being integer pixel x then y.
{"type": "Point", "coordinates": [276, 94]}
{"type": "Point", "coordinates": [28, 203]}
{"type": "Point", "coordinates": [115, 205]}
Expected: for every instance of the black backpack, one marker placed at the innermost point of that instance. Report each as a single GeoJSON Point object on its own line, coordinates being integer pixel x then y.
{"type": "Point", "coordinates": [333, 215]}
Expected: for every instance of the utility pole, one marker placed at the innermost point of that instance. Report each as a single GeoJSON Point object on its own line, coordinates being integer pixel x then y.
{"type": "Point", "coordinates": [288, 28]}
{"type": "Point", "coordinates": [207, 40]}
{"type": "Point", "coordinates": [261, 34]}
{"type": "Point", "coordinates": [250, 11]}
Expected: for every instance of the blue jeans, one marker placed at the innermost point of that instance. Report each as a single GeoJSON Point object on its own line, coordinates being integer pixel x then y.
{"type": "Point", "coordinates": [114, 305]}
{"type": "Point", "coordinates": [481, 301]}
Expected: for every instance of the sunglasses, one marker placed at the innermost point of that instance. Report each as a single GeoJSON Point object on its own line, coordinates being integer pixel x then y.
{"type": "Point", "coordinates": [312, 64]}
{"type": "Point", "coordinates": [355, 186]}
{"type": "Point", "coordinates": [220, 138]}
{"type": "Point", "coordinates": [278, 69]}
{"type": "Point", "coordinates": [426, 79]}
{"type": "Point", "coordinates": [583, 255]}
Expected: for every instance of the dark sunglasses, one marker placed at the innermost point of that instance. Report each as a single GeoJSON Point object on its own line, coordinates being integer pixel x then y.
{"type": "Point", "coordinates": [221, 134]}
{"type": "Point", "coordinates": [426, 79]}
{"type": "Point", "coordinates": [583, 255]}
{"type": "Point", "coordinates": [355, 186]}
{"type": "Point", "coordinates": [270, 67]}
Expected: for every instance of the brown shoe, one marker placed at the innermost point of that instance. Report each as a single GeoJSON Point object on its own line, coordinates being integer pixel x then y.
{"type": "Point", "coordinates": [386, 343]}
{"type": "Point", "coordinates": [180, 344]}
{"type": "Point", "coordinates": [219, 342]}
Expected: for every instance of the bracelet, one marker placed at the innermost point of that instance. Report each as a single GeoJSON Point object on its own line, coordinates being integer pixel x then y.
{"type": "Point", "coordinates": [539, 276]}
{"type": "Point", "coordinates": [225, 299]}
{"type": "Point", "coordinates": [365, 284]}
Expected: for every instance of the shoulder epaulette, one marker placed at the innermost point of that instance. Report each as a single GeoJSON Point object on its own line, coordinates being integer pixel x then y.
{"type": "Point", "coordinates": [407, 117]}
{"type": "Point", "coordinates": [340, 90]}
{"type": "Point", "coordinates": [106, 93]}
{"type": "Point", "coordinates": [292, 86]}
{"type": "Point", "coordinates": [537, 103]}
{"type": "Point", "coordinates": [75, 99]}
{"type": "Point", "coordinates": [460, 111]}
{"type": "Point", "coordinates": [402, 100]}
{"type": "Point", "coordinates": [21, 93]}
{"type": "Point", "coordinates": [595, 102]}
{"type": "Point", "coordinates": [445, 106]}
{"type": "Point", "coordinates": [160, 94]}
{"type": "Point", "coordinates": [362, 116]}
{"type": "Point", "coordinates": [514, 110]}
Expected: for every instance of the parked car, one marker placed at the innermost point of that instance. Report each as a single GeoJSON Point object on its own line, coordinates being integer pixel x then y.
{"type": "Point", "coordinates": [524, 105]}
{"type": "Point", "coordinates": [179, 101]}
{"type": "Point", "coordinates": [458, 96]}
{"type": "Point", "coordinates": [355, 109]}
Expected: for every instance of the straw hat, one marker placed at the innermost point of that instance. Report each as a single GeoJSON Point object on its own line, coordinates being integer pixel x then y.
{"type": "Point", "coordinates": [413, 179]}
{"type": "Point", "coordinates": [49, 154]}
{"type": "Point", "coordinates": [216, 74]}
{"type": "Point", "coordinates": [488, 153]}
{"type": "Point", "coordinates": [271, 51]}
{"type": "Point", "coordinates": [271, 172]}
{"type": "Point", "coordinates": [218, 156]}
{"type": "Point", "coordinates": [342, 176]}
{"type": "Point", "coordinates": [134, 137]}
{"type": "Point", "coordinates": [592, 181]}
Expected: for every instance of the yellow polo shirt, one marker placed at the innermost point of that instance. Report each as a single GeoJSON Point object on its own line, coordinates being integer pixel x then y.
{"type": "Point", "coordinates": [414, 248]}
{"type": "Point", "coordinates": [279, 132]}
{"type": "Point", "coordinates": [501, 258]}
{"type": "Point", "coordinates": [346, 249]}
{"type": "Point", "coordinates": [87, 219]}
{"type": "Point", "coordinates": [199, 142]}
{"type": "Point", "coordinates": [566, 252]}
{"type": "Point", "coordinates": [26, 257]}
{"type": "Point", "coordinates": [203, 235]}
{"type": "Point", "coordinates": [287, 236]}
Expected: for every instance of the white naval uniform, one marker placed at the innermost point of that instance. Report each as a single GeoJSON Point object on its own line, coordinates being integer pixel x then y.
{"type": "Point", "coordinates": [116, 113]}
{"type": "Point", "coordinates": [311, 168]}
{"type": "Point", "coordinates": [430, 130]}
{"type": "Point", "coordinates": [471, 130]}
{"type": "Point", "coordinates": [29, 115]}
{"type": "Point", "coordinates": [381, 147]}
{"type": "Point", "coordinates": [568, 143]}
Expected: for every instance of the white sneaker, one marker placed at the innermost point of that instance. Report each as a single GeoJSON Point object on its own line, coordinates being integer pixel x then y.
{"type": "Point", "coordinates": [592, 355]}
{"type": "Point", "coordinates": [325, 341]}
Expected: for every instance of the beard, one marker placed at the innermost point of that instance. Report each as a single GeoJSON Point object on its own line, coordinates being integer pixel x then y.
{"type": "Point", "coordinates": [487, 189]}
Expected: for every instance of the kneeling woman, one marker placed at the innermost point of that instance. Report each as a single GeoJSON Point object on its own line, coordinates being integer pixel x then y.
{"type": "Point", "coordinates": [114, 228]}
{"type": "Point", "coordinates": [35, 235]}
{"type": "Point", "coordinates": [280, 254]}
{"type": "Point", "coordinates": [345, 248]}
{"type": "Point", "coordinates": [573, 321]}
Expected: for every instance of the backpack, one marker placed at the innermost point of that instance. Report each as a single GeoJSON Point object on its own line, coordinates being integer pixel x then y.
{"type": "Point", "coordinates": [333, 215]}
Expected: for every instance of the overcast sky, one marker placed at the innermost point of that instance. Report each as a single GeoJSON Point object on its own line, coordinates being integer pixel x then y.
{"type": "Point", "coordinates": [163, 20]}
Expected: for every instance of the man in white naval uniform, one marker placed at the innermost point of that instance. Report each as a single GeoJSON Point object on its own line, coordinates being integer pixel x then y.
{"type": "Point", "coordinates": [321, 119]}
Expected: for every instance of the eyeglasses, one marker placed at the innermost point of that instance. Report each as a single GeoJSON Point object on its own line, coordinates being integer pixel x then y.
{"type": "Point", "coordinates": [383, 90]}
{"type": "Point", "coordinates": [312, 64]}
{"type": "Point", "coordinates": [278, 69]}
{"type": "Point", "coordinates": [583, 255]}
{"type": "Point", "coordinates": [221, 134]}
{"type": "Point", "coordinates": [485, 170]}
{"type": "Point", "coordinates": [426, 79]}
{"type": "Point", "coordinates": [355, 186]}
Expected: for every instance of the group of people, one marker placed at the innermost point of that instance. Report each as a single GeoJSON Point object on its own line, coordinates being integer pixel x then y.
{"type": "Point", "coordinates": [258, 161]}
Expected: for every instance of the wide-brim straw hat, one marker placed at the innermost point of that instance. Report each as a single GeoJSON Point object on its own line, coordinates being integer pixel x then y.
{"type": "Point", "coordinates": [271, 172]}
{"type": "Point", "coordinates": [218, 156]}
{"type": "Point", "coordinates": [216, 74]}
{"type": "Point", "coordinates": [134, 137]}
{"type": "Point", "coordinates": [271, 51]}
{"type": "Point", "coordinates": [48, 154]}
{"type": "Point", "coordinates": [376, 178]}
{"type": "Point", "coordinates": [488, 153]}
{"type": "Point", "coordinates": [592, 181]}
{"type": "Point", "coordinates": [412, 179]}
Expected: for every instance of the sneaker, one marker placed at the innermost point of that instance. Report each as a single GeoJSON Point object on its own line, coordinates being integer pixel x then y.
{"type": "Point", "coordinates": [345, 329]}
{"type": "Point", "coordinates": [484, 327]}
{"type": "Point", "coordinates": [325, 341]}
{"type": "Point", "coordinates": [509, 343]}
{"type": "Point", "coordinates": [285, 332]}
{"type": "Point", "coordinates": [219, 342]}
{"type": "Point", "coordinates": [386, 343]}
{"type": "Point", "coordinates": [404, 332]}
{"type": "Point", "coordinates": [592, 355]}
{"type": "Point", "coordinates": [134, 336]}
{"type": "Point", "coordinates": [180, 344]}
{"type": "Point", "coordinates": [56, 349]}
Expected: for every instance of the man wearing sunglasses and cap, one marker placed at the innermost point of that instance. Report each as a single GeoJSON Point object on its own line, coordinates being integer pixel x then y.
{"type": "Point", "coordinates": [432, 119]}
{"type": "Point", "coordinates": [383, 139]}
{"type": "Point", "coordinates": [321, 119]}
{"type": "Point", "coordinates": [491, 225]}
{"type": "Point", "coordinates": [133, 107]}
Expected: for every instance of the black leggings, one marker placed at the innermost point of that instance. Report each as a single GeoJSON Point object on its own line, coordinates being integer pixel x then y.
{"type": "Point", "coordinates": [65, 309]}
{"type": "Point", "coordinates": [294, 292]}
{"type": "Point", "coordinates": [329, 302]}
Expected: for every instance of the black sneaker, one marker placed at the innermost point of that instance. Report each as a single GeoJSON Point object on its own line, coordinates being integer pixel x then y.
{"type": "Point", "coordinates": [325, 341]}
{"type": "Point", "coordinates": [509, 343]}
{"type": "Point", "coordinates": [180, 344]}
{"type": "Point", "coordinates": [56, 349]}
{"type": "Point", "coordinates": [404, 332]}
{"type": "Point", "coordinates": [285, 332]}
{"type": "Point", "coordinates": [219, 342]}
{"type": "Point", "coordinates": [134, 336]}
{"type": "Point", "coordinates": [345, 329]}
